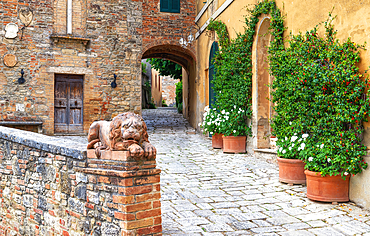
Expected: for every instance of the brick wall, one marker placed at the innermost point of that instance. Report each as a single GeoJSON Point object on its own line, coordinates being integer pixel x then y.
{"type": "Point", "coordinates": [109, 37]}
{"type": "Point", "coordinates": [50, 186]}
{"type": "Point", "coordinates": [103, 43]}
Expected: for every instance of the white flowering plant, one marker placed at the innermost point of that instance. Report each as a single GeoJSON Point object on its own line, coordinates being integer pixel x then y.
{"type": "Point", "coordinates": [234, 122]}
{"type": "Point", "coordinates": [291, 147]}
{"type": "Point", "coordinates": [211, 121]}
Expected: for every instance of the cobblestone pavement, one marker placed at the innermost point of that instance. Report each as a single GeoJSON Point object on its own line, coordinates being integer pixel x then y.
{"type": "Point", "coordinates": [206, 192]}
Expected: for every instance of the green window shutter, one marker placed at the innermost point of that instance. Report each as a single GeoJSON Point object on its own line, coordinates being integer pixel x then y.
{"type": "Point", "coordinates": [170, 6]}
{"type": "Point", "coordinates": [175, 6]}
{"type": "Point", "coordinates": [212, 74]}
{"type": "Point", "coordinates": [165, 5]}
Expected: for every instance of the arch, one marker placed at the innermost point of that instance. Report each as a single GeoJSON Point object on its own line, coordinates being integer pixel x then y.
{"type": "Point", "coordinates": [212, 72]}
{"type": "Point", "coordinates": [182, 56]}
{"type": "Point", "coordinates": [263, 106]}
{"type": "Point", "coordinates": [169, 50]}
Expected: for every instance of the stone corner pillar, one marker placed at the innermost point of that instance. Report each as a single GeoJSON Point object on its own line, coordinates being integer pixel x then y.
{"type": "Point", "coordinates": [134, 187]}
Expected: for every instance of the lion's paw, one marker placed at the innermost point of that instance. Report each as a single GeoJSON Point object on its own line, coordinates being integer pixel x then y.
{"type": "Point", "coordinates": [135, 150]}
{"type": "Point", "coordinates": [149, 150]}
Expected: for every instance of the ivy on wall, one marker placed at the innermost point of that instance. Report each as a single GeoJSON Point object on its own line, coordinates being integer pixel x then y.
{"type": "Point", "coordinates": [233, 65]}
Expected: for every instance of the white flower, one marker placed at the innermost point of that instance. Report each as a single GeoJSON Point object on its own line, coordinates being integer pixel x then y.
{"type": "Point", "coordinates": [199, 124]}
{"type": "Point", "coordinates": [295, 133]}
{"type": "Point", "coordinates": [329, 159]}
{"type": "Point", "coordinates": [283, 151]}
{"type": "Point", "coordinates": [304, 136]}
{"type": "Point", "coordinates": [292, 144]}
{"type": "Point", "coordinates": [322, 145]}
{"type": "Point", "coordinates": [345, 173]}
{"type": "Point", "coordinates": [299, 140]}
{"type": "Point", "coordinates": [234, 107]}
{"type": "Point", "coordinates": [211, 132]}
{"type": "Point", "coordinates": [280, 149]}
{"type": "Point", "coordinates": [226, 117]}
{"type": "Point", "coordinates": [294, 138]}
{"type": "Point", "coordinates": [310, 159]}
{"type": "Point", "coordinates": [290, 148]}
{"type": "Point", "coordinates": [234, 131]}
{"type": "Point", "coordinates": [238, 112]}
{"type": "Point", "coordinates": [209, 123]}
{"type": "Point", "coordinates": [303, 145]}
{"type": "Point", "coordinates": [317, 145]}
{"type": "Point", "coordinates": [286, 138]}
{"type": "Point", "coordinates": [290, 123]}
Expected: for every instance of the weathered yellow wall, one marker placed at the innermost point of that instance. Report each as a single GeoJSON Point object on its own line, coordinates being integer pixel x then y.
{"type": "Point", "coordinates": [352, 21]}
{"type": "Point", "coordinates": [301, 15]}
{"type": "Point", "coordinates": [156, 88]}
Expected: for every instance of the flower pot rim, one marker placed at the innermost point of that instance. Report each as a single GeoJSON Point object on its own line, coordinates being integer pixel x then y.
{"type": "Point", "coordinates": [232, 136]}
{"type": "Point", "coordinates": [288, 160]}
{"type": "Point", "coordinates": [317, 174]}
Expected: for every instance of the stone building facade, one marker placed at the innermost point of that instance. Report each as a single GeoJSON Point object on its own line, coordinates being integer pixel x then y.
{"type": "Point", "coordinates": [69, 52]}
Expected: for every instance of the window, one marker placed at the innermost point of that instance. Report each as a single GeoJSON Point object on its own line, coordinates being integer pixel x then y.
{"type": "Point", "coordinates": [170, 6]}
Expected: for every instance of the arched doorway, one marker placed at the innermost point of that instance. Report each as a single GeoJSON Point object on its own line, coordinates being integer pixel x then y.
{"type": "Point", "coordinates": [212, 73]}
{"type": "Point", "coordinates": [186, 58]}
{"type": "Point", "coordinates": [262, 106]}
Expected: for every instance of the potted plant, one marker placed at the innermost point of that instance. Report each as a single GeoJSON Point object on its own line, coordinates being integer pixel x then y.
{"type": "Point", "coordinates": [319, 89]}
{"type": "Point", "coordinates": [211, 124]}
{"type": "Point", "coordinates": [233, 87]}
{"type": "Point", "coordinates": [291, 168]}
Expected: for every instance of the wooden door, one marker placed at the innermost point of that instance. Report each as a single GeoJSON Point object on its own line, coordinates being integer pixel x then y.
{"type": "Point", "coordinates": [68, 102]}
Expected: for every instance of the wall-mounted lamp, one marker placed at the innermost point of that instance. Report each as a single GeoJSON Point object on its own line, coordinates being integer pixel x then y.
{"type": "Point", "coordinates": [21, 80]}
{"type": "Point", "coordinates": [114, 84]}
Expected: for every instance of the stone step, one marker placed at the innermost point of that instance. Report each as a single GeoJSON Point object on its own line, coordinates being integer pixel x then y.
{"type": "Point", "coordinates": [269, 154]}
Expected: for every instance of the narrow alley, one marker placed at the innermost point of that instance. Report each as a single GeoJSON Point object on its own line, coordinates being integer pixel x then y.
{"type": "Point", "coordinates": [207, 192]}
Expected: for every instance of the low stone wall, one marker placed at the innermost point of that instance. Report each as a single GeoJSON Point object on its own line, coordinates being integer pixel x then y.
{"type": "Point", "coordinates": [52, 186]}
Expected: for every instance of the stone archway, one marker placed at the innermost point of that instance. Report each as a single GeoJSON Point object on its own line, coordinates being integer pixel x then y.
{"type": "Point", "coordinates": [261, 104]}
{"type": "Point", "coordinates": [186, 58]}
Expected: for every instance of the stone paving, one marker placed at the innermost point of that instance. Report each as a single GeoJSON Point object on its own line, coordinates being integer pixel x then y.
{"type": "Point", "coordinates": [207, 192]}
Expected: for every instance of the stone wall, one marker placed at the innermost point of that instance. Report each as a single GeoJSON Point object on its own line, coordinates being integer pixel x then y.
{"type": "Point", "coordinates": [51, 186]}
{"type": "Point", "coordinates": [108, 37]}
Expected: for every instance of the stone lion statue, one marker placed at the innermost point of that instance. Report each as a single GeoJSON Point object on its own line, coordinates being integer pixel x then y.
{"type": "Point", "coordinates": [126, 132]}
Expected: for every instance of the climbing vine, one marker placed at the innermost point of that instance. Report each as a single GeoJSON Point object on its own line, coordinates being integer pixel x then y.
{"type": "Point", "coordinates": [233, 65]}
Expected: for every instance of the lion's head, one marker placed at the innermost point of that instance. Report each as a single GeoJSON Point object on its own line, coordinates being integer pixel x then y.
{"type": "Point", "coordinates": [126, 129]}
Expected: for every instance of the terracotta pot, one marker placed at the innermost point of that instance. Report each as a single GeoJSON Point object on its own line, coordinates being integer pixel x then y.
{"type": "Point", "coordinates": [327, 188]}
{"type": "Point", "coordinates": [291, 171]}
{"type": "Point", "coordinates": [217, 141]}
{"type": "Point", "coordinates": [234, 144]}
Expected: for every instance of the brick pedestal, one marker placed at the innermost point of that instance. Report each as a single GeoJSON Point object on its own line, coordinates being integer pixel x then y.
{"type": "Point", "coordinates": [134, 187]}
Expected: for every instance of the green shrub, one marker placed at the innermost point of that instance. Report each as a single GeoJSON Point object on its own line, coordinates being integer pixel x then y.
{"type": "Point", "coordinates": [179, 96]}
{"type": "Point", "coordinates": [319, 91]}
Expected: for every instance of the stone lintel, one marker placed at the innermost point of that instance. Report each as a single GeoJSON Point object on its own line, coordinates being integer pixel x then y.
{"type": "Point", "coordinates": [57, 38]}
